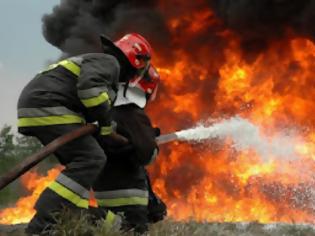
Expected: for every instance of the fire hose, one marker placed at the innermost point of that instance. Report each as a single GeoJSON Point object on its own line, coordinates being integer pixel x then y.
{"type": "Point", "coordinates": [50, 148]}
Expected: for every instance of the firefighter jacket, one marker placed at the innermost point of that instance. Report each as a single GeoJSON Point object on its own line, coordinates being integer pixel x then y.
{"type": "Point", "coordinates": [134, 124]}
{"type": "Point", "coordinates": [72, 91]}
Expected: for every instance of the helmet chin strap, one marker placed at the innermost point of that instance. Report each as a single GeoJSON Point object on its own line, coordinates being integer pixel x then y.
{"type": "Point", "coordinates": [126, 88]}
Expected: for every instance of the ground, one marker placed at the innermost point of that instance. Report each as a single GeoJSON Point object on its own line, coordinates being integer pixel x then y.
{"type": "Point", "coordinates": [171, 228]}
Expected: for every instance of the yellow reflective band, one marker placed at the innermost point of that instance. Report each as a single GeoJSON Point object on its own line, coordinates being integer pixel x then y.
{"type": "Point", "coordinates": [69, 195]}
{"type": "Point", "coordinates": [71, 66]}
{"type": "Point", "coordinates": [116, 202]}
{"type": "Point", "coordinates": [95, 101]}
{"type": "Point", "coordinates": [106, 130]}
{"type": "Point", "coordinates": [50, 120]}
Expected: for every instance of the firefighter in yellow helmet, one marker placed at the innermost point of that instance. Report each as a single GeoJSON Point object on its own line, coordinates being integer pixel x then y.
{"type": "Point", "coordinates": [62, 98]}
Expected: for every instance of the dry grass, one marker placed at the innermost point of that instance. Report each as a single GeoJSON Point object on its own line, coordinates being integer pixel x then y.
{"type": "Point", "coordinates": [79, 226]}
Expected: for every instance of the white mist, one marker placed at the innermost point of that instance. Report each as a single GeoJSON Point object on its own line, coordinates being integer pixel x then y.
{"type": "Point", "coordinates": [245, 135]}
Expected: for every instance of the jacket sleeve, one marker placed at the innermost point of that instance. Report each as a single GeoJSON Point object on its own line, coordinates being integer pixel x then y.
{"type": "Point", "coordinates": [133, 123]}
{"type": "Point", "coordinates": [96, 87]}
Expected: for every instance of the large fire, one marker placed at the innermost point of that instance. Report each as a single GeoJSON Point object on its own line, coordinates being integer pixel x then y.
{"type": "Point", "coordinates": [275, 91]}
{"type": "Point", "coordinates": [212, 182]}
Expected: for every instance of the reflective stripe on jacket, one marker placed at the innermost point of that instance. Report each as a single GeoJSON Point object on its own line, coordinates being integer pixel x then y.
{"type": "Point", "coordinates": [71, 91]}
{"type": "Point", "coordinates": [29, 117]}
{"type": "Point", "coordinates": [90, 97]}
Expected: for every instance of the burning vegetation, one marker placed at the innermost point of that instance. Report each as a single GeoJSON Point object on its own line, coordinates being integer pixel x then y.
{"type": "Point", "coordinates": [254, 59]}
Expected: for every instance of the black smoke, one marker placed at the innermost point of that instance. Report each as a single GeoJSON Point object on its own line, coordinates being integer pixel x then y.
{"type": "Point", "coordinates": [259, 22]}
{"type": "Point", "coordinates": [74, 26]}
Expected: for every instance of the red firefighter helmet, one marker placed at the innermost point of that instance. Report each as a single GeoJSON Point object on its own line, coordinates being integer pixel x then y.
{"type": "Point", "coordinates": [149, 83]}
{"type": "Point", "coordinates": [136, 48]}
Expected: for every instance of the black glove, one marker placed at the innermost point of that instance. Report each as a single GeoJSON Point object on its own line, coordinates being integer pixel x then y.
{"type": "Point", "coordinates": [114, 140]}
{"type": "Point", "coordinates": [157, 131]}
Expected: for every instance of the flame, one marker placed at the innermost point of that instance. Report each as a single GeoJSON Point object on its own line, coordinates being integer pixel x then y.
{"type": "Point", "coordinates": [23, 210]}
{"type": "Point", "coordinates": [212, 77]}
{"type": "Point", "coordinates": [274, 90]}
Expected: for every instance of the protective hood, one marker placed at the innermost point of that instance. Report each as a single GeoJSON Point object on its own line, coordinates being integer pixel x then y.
{"type": "Point", "coordinates": [133, 95]}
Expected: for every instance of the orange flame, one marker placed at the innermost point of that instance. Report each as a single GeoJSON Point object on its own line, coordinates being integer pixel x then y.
{"type": "Point", "coordinates": [23, 210]}
{"type": "Point", "coordinates": [274, 90]}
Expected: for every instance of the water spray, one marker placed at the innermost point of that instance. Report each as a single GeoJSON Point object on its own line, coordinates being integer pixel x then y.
{"type": "Point", "coordinates": [244, 135]}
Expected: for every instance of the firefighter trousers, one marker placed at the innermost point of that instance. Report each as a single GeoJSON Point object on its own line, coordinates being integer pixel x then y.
{"type": "Point", "coordinates": [122, 189]}
{"type": "Point", "coordinates": [83, 159]}
{"type": "Point", "coordinates": [125, 190]}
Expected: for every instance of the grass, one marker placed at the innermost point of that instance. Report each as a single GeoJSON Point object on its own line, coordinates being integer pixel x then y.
{"type": "Point", "coordinates": [80, 226]}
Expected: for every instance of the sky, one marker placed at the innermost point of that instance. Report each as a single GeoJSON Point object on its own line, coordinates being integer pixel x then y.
{"type": "Point", "coordinates": [23, 50]}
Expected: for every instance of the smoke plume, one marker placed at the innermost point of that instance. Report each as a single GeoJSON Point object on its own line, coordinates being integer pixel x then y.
{"type": "Point", "coordinates": [74, 26]}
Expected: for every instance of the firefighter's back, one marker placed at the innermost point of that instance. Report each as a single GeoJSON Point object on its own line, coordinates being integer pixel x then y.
{"type": "Point", "coordinates": [56, 87]}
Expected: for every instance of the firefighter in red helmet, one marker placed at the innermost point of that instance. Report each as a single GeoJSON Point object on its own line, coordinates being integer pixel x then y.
{"type": "Point", "coordinates": [124, 185]}
{"type": "Point", "coordinates": [64, 97]}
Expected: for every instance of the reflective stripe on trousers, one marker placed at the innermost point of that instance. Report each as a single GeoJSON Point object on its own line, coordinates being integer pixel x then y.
{"type": "Point", "coordinates": [122, 197]}
{"type": "Point", "coordinates": [71, 191]}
